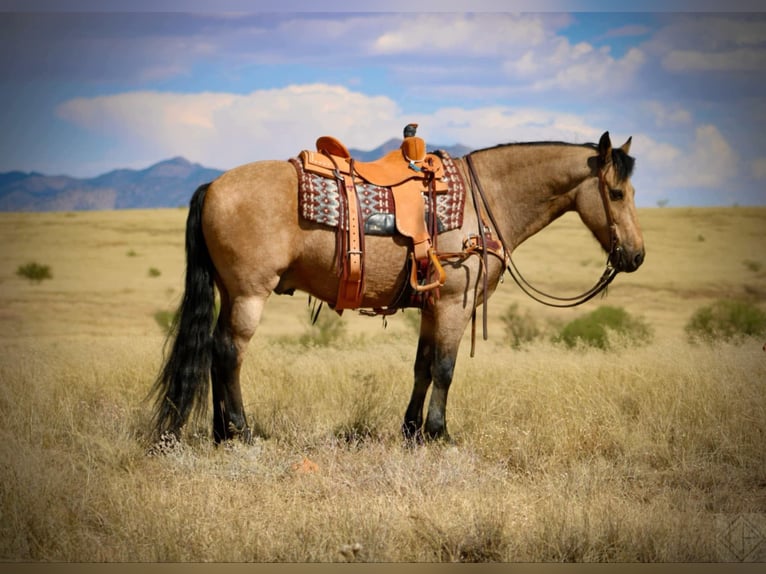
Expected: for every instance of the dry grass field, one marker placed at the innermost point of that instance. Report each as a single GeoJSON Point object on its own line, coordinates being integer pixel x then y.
{"type": "Point", "coordinates": [646, 453]}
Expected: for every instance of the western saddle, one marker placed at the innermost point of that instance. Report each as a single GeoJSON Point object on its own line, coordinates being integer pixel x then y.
{"type": "Point", "coordinates": [414, 177]}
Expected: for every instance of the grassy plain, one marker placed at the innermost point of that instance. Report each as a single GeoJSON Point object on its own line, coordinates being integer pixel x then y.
{"type": "Point", "coordinates": [641, 454]}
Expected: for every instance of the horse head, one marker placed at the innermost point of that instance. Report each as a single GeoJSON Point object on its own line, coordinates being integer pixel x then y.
{"type": "Point", "coordinates": [606, 204]}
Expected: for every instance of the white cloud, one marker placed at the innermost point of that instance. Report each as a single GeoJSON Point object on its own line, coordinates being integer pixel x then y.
{"type": "Point", "coordinates": [224, 130]}
{"type": "Point", "coordinates": [712, 43]}
{"type": "Point", "coordinates": [656, 160]}
{"type": "Point", "coordinates": [464, 34]}
{"type": "Point", "coordinates": [706, 163]}
{"type": "Point", "coordinates": [495, 125]}
{"type": "Point", "coordinates": [742, 60]}
{"type": "Point", "coordinates": [560, 66]}
{"type": "Point", "coordinates": [713, 161]}
{"type": "Point", "coordinates": [665, 114]}
{"type": "Point", "coordinates": [709, 162]}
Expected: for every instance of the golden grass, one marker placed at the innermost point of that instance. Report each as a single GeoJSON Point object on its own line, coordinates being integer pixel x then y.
{"type": "Point", "coordinates": [575, 455]}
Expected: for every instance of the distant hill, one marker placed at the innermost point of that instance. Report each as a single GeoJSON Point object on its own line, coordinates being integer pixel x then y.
{"type": "Point", "coordinates": [169, 183]}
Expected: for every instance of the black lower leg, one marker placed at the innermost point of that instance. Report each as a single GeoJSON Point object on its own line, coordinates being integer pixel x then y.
{"type": "Point", "coordinates": [436, 421]}
{"type": "Point", "coordinates": [228, 417]}
{"type": "Point", "coordinates": [413, 417]}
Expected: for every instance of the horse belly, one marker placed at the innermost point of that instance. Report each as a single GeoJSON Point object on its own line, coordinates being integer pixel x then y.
{"type": "Point", "coordinates": [315, 271]}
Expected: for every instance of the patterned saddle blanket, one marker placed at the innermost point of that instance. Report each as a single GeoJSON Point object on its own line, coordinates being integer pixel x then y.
{"type": "Point", "coordinates": [319, 201]}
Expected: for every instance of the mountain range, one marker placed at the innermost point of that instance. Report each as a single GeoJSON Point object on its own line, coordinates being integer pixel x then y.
{"type": "Point", "coordinates": [169, 183]}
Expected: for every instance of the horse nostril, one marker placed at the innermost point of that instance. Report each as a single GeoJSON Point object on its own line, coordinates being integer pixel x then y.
{"type": "Point", "coordinates": [638, 259]}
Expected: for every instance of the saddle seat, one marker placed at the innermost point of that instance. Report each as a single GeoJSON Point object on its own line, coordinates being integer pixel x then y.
{"type": "Point", "coordinates": [396, 167]}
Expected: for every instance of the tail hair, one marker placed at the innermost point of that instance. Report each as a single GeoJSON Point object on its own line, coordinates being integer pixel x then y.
{"type": "Point", "coordinates": [182, 387]}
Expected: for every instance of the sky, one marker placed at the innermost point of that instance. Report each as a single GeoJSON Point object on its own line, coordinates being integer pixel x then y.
{"type": "Point", "coordinates": [86, 89]}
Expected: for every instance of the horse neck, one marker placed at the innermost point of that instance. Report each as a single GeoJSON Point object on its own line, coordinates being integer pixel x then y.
{"type": "Point", "coordinates": [528, 186]}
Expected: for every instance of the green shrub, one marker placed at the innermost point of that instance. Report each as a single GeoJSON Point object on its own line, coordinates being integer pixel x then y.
{"type": "Point", "coordinates": [154, 272]}
{"type": "Point", "coordinates": [34, 272]}
{"type": "Point", "coordinates": [724, 320]}
{"type": "Point", "coordinates": [602, 327]}
{"type": "Point", "coordinates": [165, 319]}
{"type": "Point", "coordinates": [520, 328]}
{"type": "Point", "coordinates": [754, 266]}
{"type": "Point", "coordinates": [324, 331]}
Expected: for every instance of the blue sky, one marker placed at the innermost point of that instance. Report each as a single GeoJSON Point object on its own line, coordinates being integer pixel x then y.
{"type": "Point", "coordinates": [86, 90]}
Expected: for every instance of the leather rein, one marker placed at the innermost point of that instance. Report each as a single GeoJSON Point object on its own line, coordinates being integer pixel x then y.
{"type": "Point", "coordinates": [610, 272]}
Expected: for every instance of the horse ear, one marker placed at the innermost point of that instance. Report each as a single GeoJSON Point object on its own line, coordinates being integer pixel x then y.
{"type": "Point", "coordinates": [605, 148]}
{"type": "Point", "coordinates": [626, 146]}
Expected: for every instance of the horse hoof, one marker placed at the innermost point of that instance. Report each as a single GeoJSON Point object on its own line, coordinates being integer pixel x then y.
{"type": "Point", "coordinates": [246, 436]}
{"type": "Point", "coordinates": [167, 443]}
{"type": "Point", "coordinates": [440, 437]}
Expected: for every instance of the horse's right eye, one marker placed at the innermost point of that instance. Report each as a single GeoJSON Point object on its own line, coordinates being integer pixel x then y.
{"type": "Point", "coordinates": [616, 194]}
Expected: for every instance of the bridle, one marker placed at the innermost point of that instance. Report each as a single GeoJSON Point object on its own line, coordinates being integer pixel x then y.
{"type": "Point", "coordinates": [610, 271]}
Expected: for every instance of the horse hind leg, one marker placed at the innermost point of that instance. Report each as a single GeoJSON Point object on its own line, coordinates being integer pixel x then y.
{"type": "Point", "coordinates": [237, 321]}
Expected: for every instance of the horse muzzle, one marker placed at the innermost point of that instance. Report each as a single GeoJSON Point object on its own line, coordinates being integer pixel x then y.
{"type": "Point", "coordinates": [627, 260]}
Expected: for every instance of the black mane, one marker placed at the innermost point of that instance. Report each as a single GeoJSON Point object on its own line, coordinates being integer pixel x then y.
{"type": "Point", "coordinates": [537, 143]}
{"type": "Point", "coordinates": [623, 163]}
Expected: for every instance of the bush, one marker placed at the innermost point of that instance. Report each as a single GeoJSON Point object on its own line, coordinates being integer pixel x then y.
{"type": "Point", "coordinates": [323, 329]}
{"type": "Point", "coordinates": [519, 328]}
{"type": "Point", "coordinates": [168, 319]}
{"type": "Point", "coordinates": [725, 320]}
{"type": "Point", "coordinates": [165, 319]}
{"type": "Point", "coordinates": [597, 329]}
{"type": "Point", "coordinates": [34, 272]}
{"type": "Point", "coordinates": [754, 266]}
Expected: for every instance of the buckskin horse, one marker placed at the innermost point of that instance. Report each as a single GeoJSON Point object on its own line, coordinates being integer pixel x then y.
{"type": "Point", "coordinates": [246, 237]}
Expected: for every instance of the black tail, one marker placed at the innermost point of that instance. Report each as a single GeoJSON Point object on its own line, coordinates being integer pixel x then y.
{"type": "Point", "coordinates": [182, 387]}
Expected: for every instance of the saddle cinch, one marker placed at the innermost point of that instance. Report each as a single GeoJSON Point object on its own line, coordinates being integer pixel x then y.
{"type": "Point", "coordinates": [410, 173]}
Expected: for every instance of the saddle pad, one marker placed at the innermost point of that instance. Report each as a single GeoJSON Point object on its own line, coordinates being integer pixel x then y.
{"type": "Point", "coordinates": [319, 201]}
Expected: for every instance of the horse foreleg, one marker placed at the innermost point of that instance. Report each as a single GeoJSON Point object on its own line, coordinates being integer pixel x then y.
{"type": "Point", "coordinates": [442, 369]}
{"type": "Point", "coordinates": [413, 417]}
{"type": "Point", "coordinates": [449, 323]}
{"type": "Point", "coordinates": [236, 325]}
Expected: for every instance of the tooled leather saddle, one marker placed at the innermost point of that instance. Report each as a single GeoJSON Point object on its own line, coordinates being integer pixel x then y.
{"type": "Point", "coordinates": [397, 193]}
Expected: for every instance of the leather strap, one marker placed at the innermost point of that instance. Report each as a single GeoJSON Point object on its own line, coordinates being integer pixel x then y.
{"type": "Point", "coordinates": [350, 288]}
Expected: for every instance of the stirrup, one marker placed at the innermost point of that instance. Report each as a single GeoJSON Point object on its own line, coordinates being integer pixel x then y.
{"type": "Point", "coordinates": [441, 275]}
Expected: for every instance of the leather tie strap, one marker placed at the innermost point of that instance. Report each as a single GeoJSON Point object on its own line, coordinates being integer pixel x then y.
{"type": "Point", "coordinates": [350, 289]}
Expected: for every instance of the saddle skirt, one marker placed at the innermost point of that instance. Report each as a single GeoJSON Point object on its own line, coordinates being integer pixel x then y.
{"type": "Point", "coordinates": [320, 201]}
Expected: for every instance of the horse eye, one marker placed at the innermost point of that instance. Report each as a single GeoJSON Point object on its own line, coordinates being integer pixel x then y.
{"type": "Point", "coordinates": [616, 194]}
